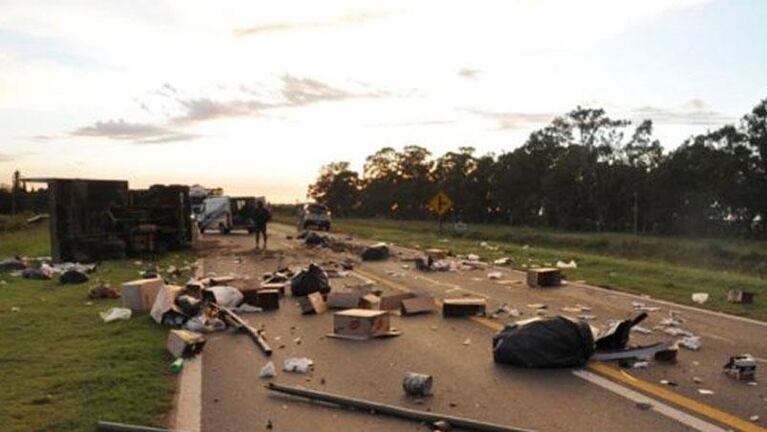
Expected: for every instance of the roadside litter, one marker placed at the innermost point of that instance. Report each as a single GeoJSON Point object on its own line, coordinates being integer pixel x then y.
{"type": "Point", "coordinates": [417, 305]}
{"type": "Point", "coordinates": [417, 384]}
{"type": "Point", "coordinates": [740, 296]}
{"type": "Point", "coordinates": [544, 343]}
{"type": "Point", "coordinates": [300, 365]}
{"type": "Point", "coordinates": [505, 261]}
{"type": "Point", "coordinates": [268, 371]}
{"type": "Point", "coordinates": [115, 314]}
{"type": "Point", "coordinates": [700, 298]}
{"type": "Point", "coordinates": [567, 265]}
{"type": "Point", "coordinates": [184, 343]}
{"type": "Point", "coordinates": [544, 277]}
{"type": "Point", "coordinates": [362, 324]}
{"type": "Point", "coordinates": [376, 252]}
{"type": "Point", "coordinates": [312, 279]}
{"type": "Point", "coordinates": [460, 307]}
{"type": "Point", "coordinates": [741, 367]}
{"type": "Point", "coordinates": [102, 290]}
{"type": "Point", "coordinates": [362, 405]}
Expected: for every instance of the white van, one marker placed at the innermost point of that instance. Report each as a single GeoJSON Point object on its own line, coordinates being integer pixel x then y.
{"type": "Point", "coordinates": [313, 215]}
{"type": "Point", "coordinates": [227, 213]}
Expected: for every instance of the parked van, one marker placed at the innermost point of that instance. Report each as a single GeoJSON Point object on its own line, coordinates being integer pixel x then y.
{"type": "Point", "coordinates": [227, 213]}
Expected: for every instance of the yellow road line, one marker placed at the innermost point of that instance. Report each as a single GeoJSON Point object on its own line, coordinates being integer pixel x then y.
{"type": "Point", "coordinates": [621, 376]}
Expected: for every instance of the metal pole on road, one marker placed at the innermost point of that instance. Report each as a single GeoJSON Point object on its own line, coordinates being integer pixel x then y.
{"type": "Point", "coordinates": [391, 410]}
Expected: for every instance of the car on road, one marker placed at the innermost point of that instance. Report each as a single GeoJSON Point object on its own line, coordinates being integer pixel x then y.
{"type": "Point", "coordinates": [314, 215]}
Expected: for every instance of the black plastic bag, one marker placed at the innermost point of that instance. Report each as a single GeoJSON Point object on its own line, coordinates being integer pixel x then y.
{"type": "Point", "coordinates": [73, 277]}
{"type": "Point", "coordinates": [377, 252]}
{"type": "Point", "coordinates": [544, 343]}
{"type": "Point", "coordinates": [310, 280]}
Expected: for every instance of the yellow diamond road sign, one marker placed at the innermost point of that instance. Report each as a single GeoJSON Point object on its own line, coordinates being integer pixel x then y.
{"type": "Point", "coordinates": [440, 203]}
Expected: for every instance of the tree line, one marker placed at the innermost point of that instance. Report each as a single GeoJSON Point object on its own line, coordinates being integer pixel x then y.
{"type": "Point", "coordinates": [584, 171]}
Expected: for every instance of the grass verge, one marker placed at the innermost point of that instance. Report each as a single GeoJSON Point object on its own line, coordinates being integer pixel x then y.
{"type": "Point", "coordinates": [61, 367]}
{"type": "Point", "coordinates": [648, 275]}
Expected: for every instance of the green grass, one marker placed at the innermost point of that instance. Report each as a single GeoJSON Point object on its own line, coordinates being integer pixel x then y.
{"type": "Point", "coordinates": [61, 367]}
{"type": "Point", "coordinates": [639, 269]}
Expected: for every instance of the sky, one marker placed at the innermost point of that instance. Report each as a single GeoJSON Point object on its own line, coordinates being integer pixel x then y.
{"type": "Point", "coordinates": [255, 96]}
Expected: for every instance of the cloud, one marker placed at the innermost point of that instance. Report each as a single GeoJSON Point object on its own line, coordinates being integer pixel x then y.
{"type": "Point", "coordinates": [692, 112]}
{"type": "Point", "coordinates": [5, 157]}
{"type": "Point", "coordinates": [292, 92]}
{"type": "Point", "coordinates": [514, 120]}
{"type": "Point", "coordinates": [274, 27]}
{"type": "Point", "coordinates": [140, 133]}
{"type": "Point", "coordinates": [469, 73]}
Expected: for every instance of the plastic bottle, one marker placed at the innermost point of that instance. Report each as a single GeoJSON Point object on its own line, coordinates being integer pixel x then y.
{"type": "Point", "coordinates": [177, 365]}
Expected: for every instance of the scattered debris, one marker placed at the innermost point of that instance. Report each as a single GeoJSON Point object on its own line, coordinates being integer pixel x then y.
{"type": "Point", "coordinates": [184, 343]}
{"type": "Point", "coordinates": [312, 304]}
{"type": "Point", "coordinates": [741, 367]}
{"type": "Point", "coordinates": [740, 296]}
{"type": "Point", "coordinates": [310, 280]}
{"type": "Point", "coordinates": [140, 295]}
{"type": "Point", "coordinates": [390, 410]}
{"type": "Point", "coordinates": [376, 252]}
{"type": "Point", "coordinates": [616, 336]}
{"type": "Point", "coordinates": [669, 383]}
{"type": "Point", "coordinates": [544, 342]}
{"type": "Point", "coordinates": [460, 307]}
{"type": "Point", "coordinates": [641, 330]}
{"type": "Point", "coordinates": [417, 385]}
{"type": "Point", "coordinates": [700, 298]}
{"type": "Point", "coordinates": [177, 366]}
{"type": "Point", "coordinates": [297, 365]}
{"type": "Point", "coordinates": [754, 418]}
{"type": "Point", "coordinates": [544, 277]}
{"type": "Point", "coordinates": [102, 290]}
{"type": "Point", "coordinates": [567, 265]}
{"type": "Point", "coordinates": [692, 343]}
{"type": "Point", "coordinates": [362, 324]}
{"type": "Point", "coordinates": [505, 261]}
{"type": "Point", "coordinates": [417, 305]}
{"type": "Point", "coordinates": [644, 406]}
{"type": "Point", "coordinates": [642, 352]}
{"type": "Point", "coordinates": [115, 314]}
{"type": "Point", "coordinates": [343, 300]}
{"type": "Point", "coordinates": [494, 275]}
{"type": "Point", "coordinates": [705, 391]}
{"type": "Point", "coordinates": [268, 371]}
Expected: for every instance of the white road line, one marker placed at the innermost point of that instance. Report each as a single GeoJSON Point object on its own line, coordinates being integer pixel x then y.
{"type": "Point", "coordinates": [657, 406]}
{"type": "Point", "coordinates": [189, 404]}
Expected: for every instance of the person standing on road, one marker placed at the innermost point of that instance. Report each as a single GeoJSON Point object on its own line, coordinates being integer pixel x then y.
{"type": "Point", "coordinates": [261, 216]}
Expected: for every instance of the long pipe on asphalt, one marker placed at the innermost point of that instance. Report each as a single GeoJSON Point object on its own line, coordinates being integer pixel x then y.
{"type": "Point", "coordinates": [391, 410]}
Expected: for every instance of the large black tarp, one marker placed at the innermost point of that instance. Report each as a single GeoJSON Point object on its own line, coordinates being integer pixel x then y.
{"type": "Point", "coordinates": [544, 343]}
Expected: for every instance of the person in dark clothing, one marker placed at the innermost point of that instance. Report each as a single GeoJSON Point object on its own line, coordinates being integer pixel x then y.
{"type": "Point", "coordinates": [261, 216]}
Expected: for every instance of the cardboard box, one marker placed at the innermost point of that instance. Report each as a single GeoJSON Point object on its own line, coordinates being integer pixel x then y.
{"type": "Point", "coordinates": [740, 296]}
{"type": "Point", "coordinates": [393, 302]}
{"type": "Point", "coordinates": [417, 305]}
{"type": "Point", "coordinates": [280, 287]}
{"type": "Point", "coordinates": [268, 299]}
{"type": "Point", "coordinates": [346, 300]}
{"type": "Point", "coordinates": [460, 307]}
{"type": "Point", "coordinates": [250, 295]}
{"type": "Point", "coordinates": [312, 304]}
{"type": "Point", "coordinates": [370, 301]}
{"type": "Point", "coordinates": [544, 277]}
{"type": "Point", "coordinates": [139, 295]}
{"type": "Point", "coordinates": [184, 343]}
{"type": "Point", "coordinates": [362, 324]}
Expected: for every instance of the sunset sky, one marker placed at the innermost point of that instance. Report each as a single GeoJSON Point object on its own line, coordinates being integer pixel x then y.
{"type": "Point", "coordinates": [255, 96]}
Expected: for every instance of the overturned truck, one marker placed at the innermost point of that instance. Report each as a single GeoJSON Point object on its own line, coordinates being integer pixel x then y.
{"type": "Point", "coordinates": [92, 220]}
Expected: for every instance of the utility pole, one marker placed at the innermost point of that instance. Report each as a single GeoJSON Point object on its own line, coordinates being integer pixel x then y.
{"type": "Point", "coordinates": [15, 185]}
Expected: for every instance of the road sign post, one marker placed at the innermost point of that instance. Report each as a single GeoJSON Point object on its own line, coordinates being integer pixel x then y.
{"type": "Point", "coordinates": [440, 204]}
